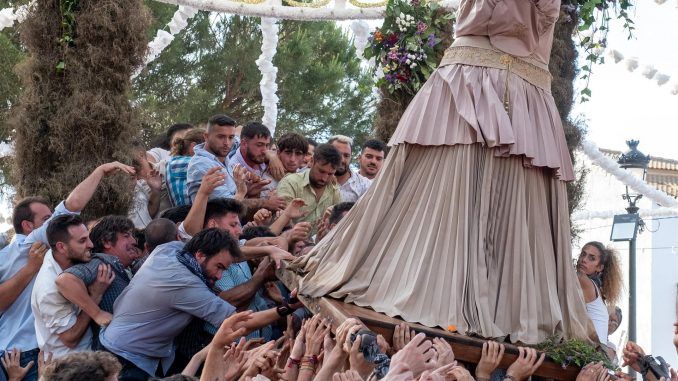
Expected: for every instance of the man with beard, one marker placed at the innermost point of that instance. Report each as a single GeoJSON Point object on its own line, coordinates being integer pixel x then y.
{"type": "Point", "coordinates": [59, 325]}
{"type": "Point", "coordinates": [174, 285]}
{"type": "Point", "coordinates": [352, 185]}
{"type": "Point", "coordinates": [255, 139]}
{"type": "Point", "coordinates": [115, 246]}
{"type": "Point", "coordinates": [314, 186]}
{"type": "Point", "coordinates": [372, 158]}
{"type": "Point", "coordinates": [219, 138]}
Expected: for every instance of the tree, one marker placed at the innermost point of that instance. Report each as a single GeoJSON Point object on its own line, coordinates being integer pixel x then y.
{"type": "Point", "coordinates": [74, 112]}
{"type": "Point", "coordinates": [210, 68]}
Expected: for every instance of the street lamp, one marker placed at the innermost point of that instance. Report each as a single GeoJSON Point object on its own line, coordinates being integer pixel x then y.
{"type": "Point", "coordinates": [625, 226]}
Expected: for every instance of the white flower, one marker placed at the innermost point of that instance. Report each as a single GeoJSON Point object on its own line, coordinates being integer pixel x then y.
{"type": "Point", "coordinates": [414, 64]}
{"type": "Point", "coordinates": [408, 61]}
{"type": "Point", "coordinates": [402, 15]}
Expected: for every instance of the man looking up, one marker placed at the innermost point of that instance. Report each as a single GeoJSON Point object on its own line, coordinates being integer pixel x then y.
{"type": "Point", "coordinates": [314, 186]}
{"type": "Point", "coordinates": [59, 325]}
{"type": "Point", "coordinates": [372, 158]}
{"type": "Point", "coordinates": [351, 184]}
{"type": "Point", "coordinates": [21, 261]}
{"type": "Point", "coordinates": [292, 149]}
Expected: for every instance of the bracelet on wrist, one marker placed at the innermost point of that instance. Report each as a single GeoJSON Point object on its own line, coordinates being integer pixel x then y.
{"type": "Point", "coordinates": [284, 310]}
{"type": "Point", "coordinates": [292, 362]}
{"type": "Point", "coordinates": [313, 359]}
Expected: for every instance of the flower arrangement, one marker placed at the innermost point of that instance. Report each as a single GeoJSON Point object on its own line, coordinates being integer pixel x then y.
{"type": "Point", "coordinates": [406, 47]}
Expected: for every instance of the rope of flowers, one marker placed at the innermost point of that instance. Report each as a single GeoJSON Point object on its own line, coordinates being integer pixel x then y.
{"type": "Point", "coordinates": [363, 4]}
{"type": "Point", "coordinates": [648, 71]}
{"type": "Point", "coordinates": [312, 4]}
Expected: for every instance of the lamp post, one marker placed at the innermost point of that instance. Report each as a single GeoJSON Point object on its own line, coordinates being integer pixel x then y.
{"type": "Point", "coordinates": [626, 226]}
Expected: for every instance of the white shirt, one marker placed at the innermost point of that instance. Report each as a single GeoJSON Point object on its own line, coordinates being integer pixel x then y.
{"type": "Point", "coordinates": [53, 313]}
{"type": "Point", "coordinates": [139, 211]}
{"type": "Point", "coordinates": [354, 187]}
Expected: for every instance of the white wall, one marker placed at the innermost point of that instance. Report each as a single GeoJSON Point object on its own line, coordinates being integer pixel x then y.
{"type": "Point", "coordinates": [656, 265]}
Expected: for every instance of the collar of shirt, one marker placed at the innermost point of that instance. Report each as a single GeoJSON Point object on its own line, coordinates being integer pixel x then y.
{"type": "Point", "coordinates": [239, 159]}
{"type": "Point", "coordinates": [200, 150]}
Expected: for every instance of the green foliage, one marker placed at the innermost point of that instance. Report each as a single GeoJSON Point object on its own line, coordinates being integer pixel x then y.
{"type": "Point", "coordinates": [573, 351]}
{"type": "Point", "coordinates": [210, 68]}
{"type": "Point", "coordinates": [67, 9]}
{"type": "Point", "coordinates": [594, 19]}
{"type": "Point", "coordinates": [407, 45]}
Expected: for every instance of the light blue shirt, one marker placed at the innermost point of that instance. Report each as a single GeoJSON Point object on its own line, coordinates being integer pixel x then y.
{"type": "Point", "coordinates": [201, 162]}
{"type": "Point", "coordinates": [17, 325]}
{"type": "Point", "coordinates": [237, 158]}
{"type": "Point", "coordinates": [157, 305]}
{"type": "Point", "coordinates": [235, 275]}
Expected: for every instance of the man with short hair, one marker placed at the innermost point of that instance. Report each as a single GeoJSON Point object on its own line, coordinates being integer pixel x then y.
{"type": "Point", "coordinates": [255, 139]}
{"type": "Point", "coordinates": [372, 158]}
{"type": "Point", "coordinates": [59, 325]}
{"type": "Point", "coordinates": [174, 285]}
{"type": "Point", "coordinates": [292, 148]}
{"type": "Point", "coordinates": [314, 186]}
{"type": "Point", "coordinates": [114, 246]}
{"type": "Point", "coordinates": [312, 144]}
{"type": "Point", "coordinates": [352, 185]}
{"type": "Point", "coordinates": [212, 153]}
{"type": "Point", "coordinates": [21, 261]}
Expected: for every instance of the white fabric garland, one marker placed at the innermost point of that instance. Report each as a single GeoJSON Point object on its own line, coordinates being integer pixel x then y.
{"type": "Point", "coordinates": [361, 31]}
{"type": "Point", "coordinates": [8, 15]}
{"type": "Point", "coordinates": [648, 71]}
{"type": "Point", "coordinates": [269, 46]}
{"type": "Point", "coordinates": [163, 38]}
{"type": "Point", "coordinates": [273, 9]}
{"type": "Point", "coordinates": [626, 177]}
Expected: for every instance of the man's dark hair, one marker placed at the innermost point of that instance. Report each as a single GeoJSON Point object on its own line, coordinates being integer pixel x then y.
{"type": "Point", "coordinates": [256, 232]}
{"type": "Point", "coordinates": [164, 141]}
{"type": "Point", "coordinates": [211, 241]}
{"type": "Point", "coordinates": [140, 237]}
{"type": "Point", "coordinates": [57, 230]}
{"type": "Point", "coordinates": [220, 207]}
{"type": "Point", "coordinates": [312, 142]}
{"type": "Point", "coordinates": [254, 130]}
{"type": "Point", "coordinates": [376, 145]}
{"type": "Point", "coordinates": [90, 366]}
{"type": "Point", "coordinates": [176, 214]}
{"type": "Point", "coordinates": [107, 229]}
{"type": "Point", "coordinates": [22, 211]}
{"type": "Point", "coordinates": [173, 129]}
{"type": "Point", "coordinates": [292, 141]}
{"type": "Point", "coordinates": [175, 377]}
{"type": "Point", "coordinates": [327, 154]}
{"type": "Point", "coordinates": [158, 232]}
{"type": "Point", "coordinates": [339, 210]}
{"type": "Point", "coordinates": [220, 120]}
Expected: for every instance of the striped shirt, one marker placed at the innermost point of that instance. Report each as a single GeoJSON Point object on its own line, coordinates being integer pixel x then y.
{"type": "Point", "coordinates": [176, 176]}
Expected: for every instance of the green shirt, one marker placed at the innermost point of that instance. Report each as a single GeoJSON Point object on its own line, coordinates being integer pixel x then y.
{"type": "Point", "coordinates": [298, 185]}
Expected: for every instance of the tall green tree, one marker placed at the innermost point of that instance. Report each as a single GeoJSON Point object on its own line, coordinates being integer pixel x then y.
{"type": "Point", "coordinates": [210, 68]}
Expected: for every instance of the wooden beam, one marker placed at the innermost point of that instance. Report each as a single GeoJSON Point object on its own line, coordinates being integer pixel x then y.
{"type": "Point", "coordinates": [466, 349]}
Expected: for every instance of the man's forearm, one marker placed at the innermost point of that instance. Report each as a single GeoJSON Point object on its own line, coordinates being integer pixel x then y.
{"type": "Point", "coordinates": [253, 252]}
{"type": "Point", "coordinates": [71, 337]}
{"type": "Point", "coordinates": [195, 218]}
{"type": "Point", "coordinates": [279, 224]}
{"type": "Point", "coordinates": [13, 287]}
{"type": "Point", "coordinates": [73, 289]}
{"type": "Point", "coordinates": [261, 319]}
{"type": "Point", "coordinates": [80, 196]}
{"type": "Point", "coordinates": [154, 203]}
{"type": "Point", "coordinates": [241, 295]}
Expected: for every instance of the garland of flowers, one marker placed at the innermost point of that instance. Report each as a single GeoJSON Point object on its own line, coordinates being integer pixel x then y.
{"type": "Point", "coordinates": [313, 4]}
{"type": "Point", "coordinates": [406, 46]}
{"type": "Point", "coordinates": [594, 24]}
{"type": "Point", "coordinates": [361, 4]}
{"type": "Point", "coordinates": [9, 15]}
{"type": "Point", "coordinates": [606, 214]}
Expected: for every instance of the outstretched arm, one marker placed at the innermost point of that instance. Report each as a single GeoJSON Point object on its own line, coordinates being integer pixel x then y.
{"type": "Point", "coordinates": [80, 196]}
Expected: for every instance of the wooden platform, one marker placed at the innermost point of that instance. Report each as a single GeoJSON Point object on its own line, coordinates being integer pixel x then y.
{"type": "Point", "coordinates": [466, 349]}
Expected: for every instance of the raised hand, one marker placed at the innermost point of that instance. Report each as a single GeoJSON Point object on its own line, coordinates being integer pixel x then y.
{"type": "Point", "coordinates": [105, 277]}
{"type": "Point", "coordinates": [262, 217]}
{"type": "Point", "coordinates": [103, 318]}
{"type": "Point", "coordinates": [36, 255]}
{"type": "Point", "coordinates": [211, 180]}
{"type": "Point", "coordinates": [235, 358]}
{"type": "Point", "coordinates": [294, 209]}
{"type": "Point", "coordinates": [275, 166]}
{"type": "Point", "coordinates": [315, 335]}
{"type": "Point", "coordinates": [232, 328]}
{"type": "Point", "coordinates": [44, 359]}
{"type": "Point", "coordinates": [417, 355]}
{"type": "Point", "coordinates": [240, 179]}
{"type": "Point", "coordinates": [275, 202]}
{"type": "Point", "coordinates": [154, 180]}
{"type": "Point", "coordinates": [631, 355]}
{"type": "Point", "coordinates": [492, 354]}
{"type": "Point", "coordinates": [526, 364]}
{"type": "Point", "coordinates": [445, 355]}
{"type": "Point", "coordinates": [356, 359]}
{"type": "Point", "coordinates": [12, 363]}
{"type": "Point", "coordinates": [349, 375]}
{"type": "Point", "coordinates": [591, 372]}
{"type": "Point", "coordinates": [402, 334]}
{"type": "Point", "coordinates": [109, 169]}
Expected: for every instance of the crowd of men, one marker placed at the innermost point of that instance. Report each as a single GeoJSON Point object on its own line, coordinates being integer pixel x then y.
{"type": "Point", "coordinates": [185, 284]}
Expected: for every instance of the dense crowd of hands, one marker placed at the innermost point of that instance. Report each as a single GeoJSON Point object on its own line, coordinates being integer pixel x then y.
{"type": "Point", "coordinates": [314, 353]}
